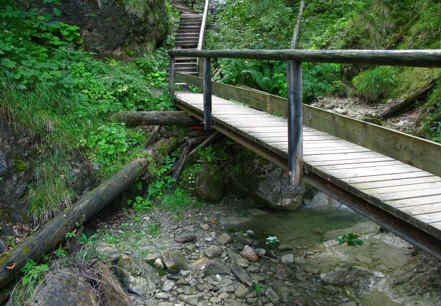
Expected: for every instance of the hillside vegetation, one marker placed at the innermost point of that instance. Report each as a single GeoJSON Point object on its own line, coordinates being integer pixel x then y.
{"type": "Point", "coordinates": [65, 96]}
{"type": "Point", "coordinates": [346, 24]}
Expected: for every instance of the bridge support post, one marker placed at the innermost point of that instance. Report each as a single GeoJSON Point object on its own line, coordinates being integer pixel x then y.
{"type": "Point", "coordinates": [295, 121]}
{"type": "Point", "coordinates": [171, 78]}
{"type": "Point", "coordinates": [207, 93]}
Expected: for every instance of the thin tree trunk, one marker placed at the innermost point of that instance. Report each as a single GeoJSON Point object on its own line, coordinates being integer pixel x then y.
{"type": "Point", "coordinates": [295, 35]}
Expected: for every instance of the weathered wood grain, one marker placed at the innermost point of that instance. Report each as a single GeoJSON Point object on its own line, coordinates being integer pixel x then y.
{"type": "Point", "coordinates": [416, 58]}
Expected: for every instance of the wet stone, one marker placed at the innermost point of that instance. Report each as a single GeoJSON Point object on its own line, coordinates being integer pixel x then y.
{"type": "Point", "coordinates": [185, 238]}
{"type": "Point", "coordinates": [224, 239]}
{"type": "Point", "coordinates": [287, 259]}
{"type": "Point", "coordinates": [213, 251]}
{"type": "Point", "coordinates": [249, 253]}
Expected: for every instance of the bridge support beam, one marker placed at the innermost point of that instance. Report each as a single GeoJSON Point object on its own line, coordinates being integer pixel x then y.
{"type": "Point", "coordinates": [295, 121]}
{"type": "Point", "coordinates": [207, 93]}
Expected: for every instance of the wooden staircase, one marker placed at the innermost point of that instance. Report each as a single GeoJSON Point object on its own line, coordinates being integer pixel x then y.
{"type": "Point", "coordinates": [187, 37]}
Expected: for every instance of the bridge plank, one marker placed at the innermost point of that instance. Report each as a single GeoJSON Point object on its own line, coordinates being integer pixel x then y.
{"type": "Point", "coordinates": [414, 202]}
{"type": "Point", "coordinates": [399, 182]}
{"type": "Point", "coordinates": [423, 209]}
{"type": "Point", "coordinates": [399, 189]}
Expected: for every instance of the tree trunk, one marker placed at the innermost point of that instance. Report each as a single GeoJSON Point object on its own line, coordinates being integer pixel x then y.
{"type": "Point", "coordinates": [407, 103]}
{"type": "Point", "coordinates": [53, 232]}
{"type": "Point", "coordinates": [295, 35]}
{"type": "Point", "coordinates": [156, 118]}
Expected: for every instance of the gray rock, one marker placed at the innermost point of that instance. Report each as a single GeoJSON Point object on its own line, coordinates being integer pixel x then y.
{"type": "Point", "coordinates": [272, 295]}
{"type": "Point", "coordinates": [213, 251]}
{"type": "Point", "coordinates": [249, 253]}
{"type": "Point", "coordinates": [190, 299]}
{"type": "Point", "coordinates": [210, 184]}
{"type": "Point", "coordinates": [260, 252]}
{"type": "Point", "coordinates": [65, 288]}
{"type": "Point", "coordinates": [185, 238]}
{"type": "Point", "coordinates": [214, 267]}
{"type": "Point", "coordinates": [162, 296]}
{"type": "Point", "coordinates": [158, 263]}
{"type": "Point", "coordinates": [241, 275]}
{"type": "Point", "coordinates": [241, 291]}
{"type": "Point", "coordinates": [174, 261]}
{"type": "Point", "coordinates": [168, 285]}
{"type": "Point", "coordinates": [287, 259]}
{"type": "Point", "coordinates": [3, 164]}
{"type": "Point", "coordinates": [108, 251]}
{"type": "Point", "coordinates": [224, 239]}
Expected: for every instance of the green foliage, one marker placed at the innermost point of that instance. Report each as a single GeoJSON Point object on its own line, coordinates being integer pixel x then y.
{"type": "Point", "coordinates": [376, 84]}
{"type": "Point", "coordinates": [154, 229]}
{"type": "Point", "coordinates": [66, 96]}
{"type": "Point", "coordinates": [272, 242]}
{"type": "Point", "coordinates": [60, 253]}
{"type": "Point", "coordinates": [432, 119]}
{"type": "Point", "coordinates": [259, 288]}
{"type": "Point", "coordinates": [350, 239]}
{"type": "Point", "coordinates": [32, 273]}
{"type": "Point", "coordinates": [141, 204]}
{"type": "Point", "coordinates": [84, 240]}
{"type": "Point", "coordinates": [178, 200]}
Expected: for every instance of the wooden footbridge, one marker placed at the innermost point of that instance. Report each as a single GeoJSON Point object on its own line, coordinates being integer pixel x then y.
{"type": "Point", "coordinates": [388, 176]}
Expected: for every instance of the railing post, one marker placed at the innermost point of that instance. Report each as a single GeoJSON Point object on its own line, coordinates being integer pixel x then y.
{"type": "Point", "coordinates": [207, 93]}
{"type": "Point", "coordinates": [295, 121]}
{"type": "Point", "coordinates": [171, 78]}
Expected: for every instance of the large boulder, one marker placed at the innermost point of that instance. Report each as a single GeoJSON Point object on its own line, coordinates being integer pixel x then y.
{"type": "Point", "coordinates": [65, 287]}
{"type": "Point", "coordinates": [109, 26]}
{"type": "Point", "coordinates": [210, 185]}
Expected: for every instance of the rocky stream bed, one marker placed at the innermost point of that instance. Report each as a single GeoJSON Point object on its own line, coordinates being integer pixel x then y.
{"type": "Point", "coordinates": [218, 255]}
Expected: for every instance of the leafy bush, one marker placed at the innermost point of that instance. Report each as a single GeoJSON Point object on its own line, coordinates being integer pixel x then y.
{"type": "Point", "coordinates": [375, 84]}
{"type": "Point", "coordinates": [66, 96]}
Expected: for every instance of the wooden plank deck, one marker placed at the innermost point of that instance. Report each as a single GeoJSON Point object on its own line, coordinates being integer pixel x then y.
{"type": "Point", "coordinates": [411, 194]}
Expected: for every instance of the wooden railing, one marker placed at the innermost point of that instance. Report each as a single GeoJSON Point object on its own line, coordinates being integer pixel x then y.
{"type": "Point", "coordinates": [416, 58]}
{"type": "Point", "coordinates": [202, 32]}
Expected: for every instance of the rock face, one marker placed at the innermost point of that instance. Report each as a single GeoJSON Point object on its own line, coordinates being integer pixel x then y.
{"type": "Point", "coordinates": [109, 25]}
{"type": "Point", "coordinates": [66, 288]}
{"type": "Point", "coordinates": [210, 184]}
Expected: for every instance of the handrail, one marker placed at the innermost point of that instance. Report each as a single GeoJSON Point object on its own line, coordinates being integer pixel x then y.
{"type": "Point", "coordinates": [294, 58]}
{"type": "Point", "coordinates": [202, 31]}
{"type": "Point", "coordinates": [415, 58]}
{"type": "Point", "coordinates": [203, 25]}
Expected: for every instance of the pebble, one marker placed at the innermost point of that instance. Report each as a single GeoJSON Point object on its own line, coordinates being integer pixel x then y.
{"type": "Point", "coordinates": [168, 285]}
{"type": "Point", "coordinates": [205, 226]}
{"type": "Point", "coordinates": [162, 296]}
{"type": "Point", "coordinates": [213, 251]}
{"type": "Point", "coordinates": [261, 252]}
{"type": "Point", "coordinates": [249, 253]}
{"type": "Point", "coordinates": [158, 263]}
{"type": "Point", "coordinates": [224, 239]}
{"type": "Point", "coordinates": [185, 238]}
{"type": "Point", "coordinates": [287, 259]}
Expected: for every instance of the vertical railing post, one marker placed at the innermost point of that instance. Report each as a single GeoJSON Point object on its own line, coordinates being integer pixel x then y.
{"type": "Point", "coordinates": [171, 78]}
{"type": "Point", "coordinates": [295, 121]}
{"type": "Point", "coordinates": [207, 93]}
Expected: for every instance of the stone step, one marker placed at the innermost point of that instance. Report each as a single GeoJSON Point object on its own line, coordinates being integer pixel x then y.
{"type": "Point", "coordinates": [185, 59]}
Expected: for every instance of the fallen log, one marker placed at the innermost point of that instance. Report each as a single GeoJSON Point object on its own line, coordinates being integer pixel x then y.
{"type": "Point", "coordinates": [407, 103]}
{"type": "Point", "coordinates": [156, 118]}
{"type": "Point", "coordinates": [54, 232]}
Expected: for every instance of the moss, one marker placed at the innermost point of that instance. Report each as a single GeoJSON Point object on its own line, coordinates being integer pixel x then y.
{"type": "Point", "coordinates": [21, 166]}
{"type": "Point", "coordinates": [26, 250]}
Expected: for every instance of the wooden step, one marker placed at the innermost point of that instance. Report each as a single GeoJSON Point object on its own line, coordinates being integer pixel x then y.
{"type": "Point", "coordinates": [185, 65]}
{"type": "Point", "coordinates": [185, 59]}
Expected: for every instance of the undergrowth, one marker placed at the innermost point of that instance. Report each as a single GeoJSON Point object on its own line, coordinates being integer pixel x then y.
{"type": "Point", "coordinates": [66, 97]}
